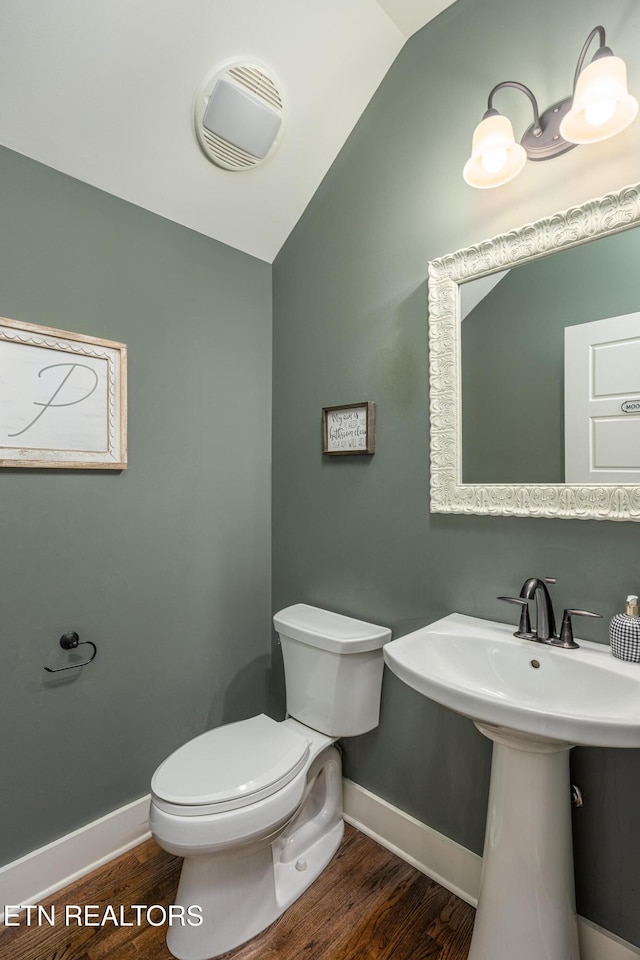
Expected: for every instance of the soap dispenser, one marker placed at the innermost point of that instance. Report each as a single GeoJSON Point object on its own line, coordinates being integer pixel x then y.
{"type": "Point", "coordinates": [624, 632]}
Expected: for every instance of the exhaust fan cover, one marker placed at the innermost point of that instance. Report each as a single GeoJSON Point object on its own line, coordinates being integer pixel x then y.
{"type": "Point", "coordinates": [238, 116]}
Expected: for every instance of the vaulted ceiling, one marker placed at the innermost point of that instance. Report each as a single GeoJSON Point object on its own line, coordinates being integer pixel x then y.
{"type": "Point", "coordinates": [103, 90]}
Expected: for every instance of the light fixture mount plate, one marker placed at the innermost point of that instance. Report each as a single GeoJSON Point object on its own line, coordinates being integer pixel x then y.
{"type": "Point", "coordinates": [548, 143]}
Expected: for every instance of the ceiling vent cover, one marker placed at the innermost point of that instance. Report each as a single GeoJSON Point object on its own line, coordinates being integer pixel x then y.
{"type": "Point", "coordinates": [238, 116]}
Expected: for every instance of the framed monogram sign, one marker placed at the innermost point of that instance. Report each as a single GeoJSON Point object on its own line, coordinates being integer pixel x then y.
{"type": "Point", "coordinates": [63, 399]}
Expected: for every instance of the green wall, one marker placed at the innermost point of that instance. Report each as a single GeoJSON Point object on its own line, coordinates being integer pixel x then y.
{"type": "Point", "coordinates": [164, 566]}
{"type": "Point", "coordinates": [355, 534]}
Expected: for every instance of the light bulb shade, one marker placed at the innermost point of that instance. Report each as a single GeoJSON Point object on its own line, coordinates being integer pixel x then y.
{"type": "Point", "coordinates": [495, 157]}
{"type": "Point", "coordinates": [602, 105]}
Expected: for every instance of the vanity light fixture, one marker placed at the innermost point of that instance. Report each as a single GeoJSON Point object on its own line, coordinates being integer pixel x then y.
{"type": "Point", "coordinates": [599, 108]}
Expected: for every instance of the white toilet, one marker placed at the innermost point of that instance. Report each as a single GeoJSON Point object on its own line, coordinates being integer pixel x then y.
{"type": "Point", "coordinates": [255, 807]}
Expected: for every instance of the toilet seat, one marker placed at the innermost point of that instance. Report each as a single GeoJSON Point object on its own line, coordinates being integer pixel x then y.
{"type": "Point", "coordinates": [229, 767]}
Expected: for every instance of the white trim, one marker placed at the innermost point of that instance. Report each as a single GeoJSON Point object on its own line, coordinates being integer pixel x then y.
{"type": "Point", "coordinates": [452, 865]}
{"type": "Point", "coordinates": [445, 861]}
{"type": "Point", "coordinates": [37, 875]}
{"type": "Point", "coordinates": [46, 870]}
{"type": "Point", "coordinates": [596, 943]}
{"type": "Point", "coordinates": [566, 230]}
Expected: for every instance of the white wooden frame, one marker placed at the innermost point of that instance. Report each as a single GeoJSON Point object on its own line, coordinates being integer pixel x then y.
{"type": "Point", "coordinates": [607, 215]}
{"type": "Point", "coordinates": [48, 421]}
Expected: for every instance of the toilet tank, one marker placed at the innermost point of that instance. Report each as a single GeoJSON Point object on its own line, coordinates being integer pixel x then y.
{"type": "Point", "coordinates": [333, 669]}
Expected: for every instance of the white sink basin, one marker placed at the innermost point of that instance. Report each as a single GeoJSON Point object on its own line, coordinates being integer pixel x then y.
{"type": "Point", "coordinates": [479, 669]}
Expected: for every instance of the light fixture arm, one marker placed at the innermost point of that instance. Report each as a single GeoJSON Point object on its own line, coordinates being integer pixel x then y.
{"type": "Point", "coordinates": [602, 51]}
{"type": "Point", "coordinates": [600, 106]}
{"type": "Point", "coordinates": [536, 128]}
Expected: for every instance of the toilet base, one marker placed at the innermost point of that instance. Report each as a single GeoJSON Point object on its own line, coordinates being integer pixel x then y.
{"type": "Point", "coordinates": [241, 893]}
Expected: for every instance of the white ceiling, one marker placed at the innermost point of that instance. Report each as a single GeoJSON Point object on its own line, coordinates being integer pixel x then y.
{"type": "Point", "coordinates": [103, 90]}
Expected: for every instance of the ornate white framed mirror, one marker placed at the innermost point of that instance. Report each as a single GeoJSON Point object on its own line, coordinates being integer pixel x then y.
{"type": "Point", "coordinates": [534, 368]}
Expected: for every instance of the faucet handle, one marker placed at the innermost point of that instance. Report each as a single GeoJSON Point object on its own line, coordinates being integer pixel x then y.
{"type": "Point", "coordinates": [549, 579]}
{"type": "Point", "coordinates": [566, 630]}
{"type": "Point", "coordinates": [524, 629]}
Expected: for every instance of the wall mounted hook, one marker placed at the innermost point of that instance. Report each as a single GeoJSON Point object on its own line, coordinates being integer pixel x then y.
{"type": "Point", "coordinates": [69, 641]}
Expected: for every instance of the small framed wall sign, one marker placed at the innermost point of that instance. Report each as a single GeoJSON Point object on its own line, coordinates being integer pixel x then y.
{"type": "Point", "coordinates": [349, 428]}
{"type": "Point", "coordinates": [63, 399]}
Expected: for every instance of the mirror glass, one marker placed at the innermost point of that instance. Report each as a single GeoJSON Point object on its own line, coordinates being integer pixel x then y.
{"type": "Point", "coordinates": [513, 382]}
{"type": "Point", "coordinates": [534, 368]}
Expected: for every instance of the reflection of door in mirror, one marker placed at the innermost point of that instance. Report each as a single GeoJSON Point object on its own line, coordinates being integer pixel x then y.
{"type": "Point", "coordinates": [512, 356]}
{"type": "Point", "coordinates": [602, 401]}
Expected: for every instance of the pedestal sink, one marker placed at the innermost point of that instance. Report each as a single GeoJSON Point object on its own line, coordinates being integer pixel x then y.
{"type": "Point", "coordinates": [534, 702]}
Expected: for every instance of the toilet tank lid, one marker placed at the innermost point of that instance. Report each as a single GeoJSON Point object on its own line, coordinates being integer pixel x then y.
{"type": "Point", "coordinates": [329, 631]}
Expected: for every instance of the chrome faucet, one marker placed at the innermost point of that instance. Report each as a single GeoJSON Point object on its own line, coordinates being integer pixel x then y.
{"type": "Point", "coordinates": [536, 589]}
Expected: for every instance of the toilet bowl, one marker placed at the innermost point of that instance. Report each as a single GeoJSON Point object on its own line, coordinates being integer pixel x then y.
{"type": "Point", "coordinates": [255, 807]}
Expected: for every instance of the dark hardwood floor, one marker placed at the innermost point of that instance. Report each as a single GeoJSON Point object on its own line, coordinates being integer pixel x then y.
{"type": "Point", "coordinates": [367, 905]}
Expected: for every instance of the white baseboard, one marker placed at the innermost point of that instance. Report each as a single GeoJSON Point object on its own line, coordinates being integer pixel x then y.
{"type": "Point", "coordinates": [445, 861]}
{"type": "Point", "coordinates": [451, 865]}
{"type": "Point", "coordinates": [36, 876]}
{"type": "Point", "coordinates": [40, 873]}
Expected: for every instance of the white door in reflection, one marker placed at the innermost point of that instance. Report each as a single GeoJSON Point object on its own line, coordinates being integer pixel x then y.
{"type": "Point", "coordinates": [602, 401]}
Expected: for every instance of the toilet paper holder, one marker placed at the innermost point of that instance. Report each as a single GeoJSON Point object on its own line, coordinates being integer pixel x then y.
{"type": "Point", "coordinates": [69, 641]}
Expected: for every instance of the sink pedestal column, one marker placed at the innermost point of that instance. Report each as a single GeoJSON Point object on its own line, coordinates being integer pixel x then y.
{"type": "Point", "coordinates": [526, 907]}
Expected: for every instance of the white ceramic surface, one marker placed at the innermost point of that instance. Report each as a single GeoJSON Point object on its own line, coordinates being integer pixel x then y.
{"type": "Point", "coordinates": [333, 669]}
{"type": "Point", "coordinates": [255, 807]}
{"type": "Point", "coordinates": [526, 906]}
{"type": "Point", "coordinates": [534, 701]}
{"type": "Point", "coordinates": [479, 669]}
{"type": "Point", "coordinates": [245, 866]}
